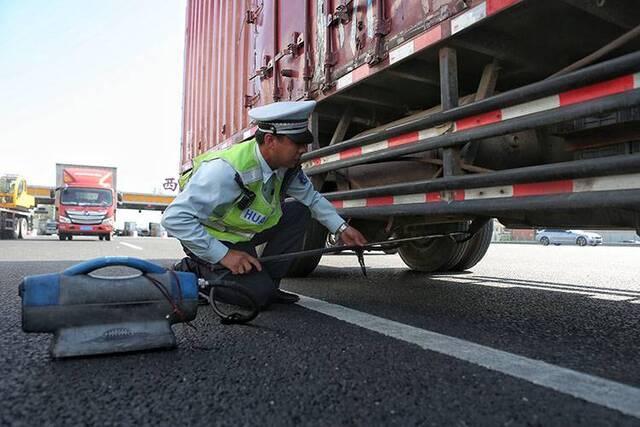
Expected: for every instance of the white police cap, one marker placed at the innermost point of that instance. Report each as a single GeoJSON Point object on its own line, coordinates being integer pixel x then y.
{"type": "Point", "coordinates": [290, 118]}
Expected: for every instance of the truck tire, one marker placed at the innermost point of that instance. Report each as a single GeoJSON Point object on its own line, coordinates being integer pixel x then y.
{"type": "Point", "coordinates": [14, 233]}
{"type": "Point", "coordinates": [315, 237]}
{"type": "Point", "coordinates": [107, 237]}
{"type": "Point", "coordinates": [477, 248]}
{"type": "Point", "coordinates": [24, 228]}
{"type": "Point", "coordinates": [62, 236]}
{"type": "Point", "coordinates": [433, 255]}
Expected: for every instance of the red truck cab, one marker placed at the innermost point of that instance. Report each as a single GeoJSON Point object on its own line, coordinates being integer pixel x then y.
{"type": "Point", "coordinates": [86, 201]}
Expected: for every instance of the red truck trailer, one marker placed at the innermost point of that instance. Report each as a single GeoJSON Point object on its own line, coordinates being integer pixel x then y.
{"type": "Point", "coordinates": [85, 201]}
{"type": "Point", "coordinates": [434, 116]}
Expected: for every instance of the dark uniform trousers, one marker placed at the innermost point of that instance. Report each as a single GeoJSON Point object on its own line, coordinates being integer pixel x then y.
{"type": "Point", "coordinates": [286, 236]}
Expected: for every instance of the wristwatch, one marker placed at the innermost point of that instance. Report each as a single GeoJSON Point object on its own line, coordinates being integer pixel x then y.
{"type": "Point", "coordinates": [340, 229]}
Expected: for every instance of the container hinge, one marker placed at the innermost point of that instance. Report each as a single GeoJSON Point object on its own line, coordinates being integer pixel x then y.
{"type": "Point", "coordinates": [331, 59]}
{"type": "Point", "coordinates": [250, 101]}
{"type": "Point", "coordinates": [342, 14]}
{"type": "Point", "coordinates": [250, 17]}
{"type": "Point", "coordinates": [297, 41]}
{"type": "Point", "coordinates": [277, 93]}
{"type": "Point", "coordinates": [264, 71]}
{"type": "Point", "coordinates": [383, 26]}
{"type": "Point", "coordinates": [327, 86]}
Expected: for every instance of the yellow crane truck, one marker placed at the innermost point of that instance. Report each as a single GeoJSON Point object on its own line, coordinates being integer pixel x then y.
{"type": "Point", "coordinates": [16, 207]}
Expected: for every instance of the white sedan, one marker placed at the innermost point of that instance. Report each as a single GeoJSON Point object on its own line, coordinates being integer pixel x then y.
{"type": "Point", "coordinates": [573, 237]}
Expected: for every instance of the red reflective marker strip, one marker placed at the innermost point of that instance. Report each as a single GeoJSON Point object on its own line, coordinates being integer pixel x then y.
{"type": "Point", "coordinates": [360, 72]}
{"type": "Point", "coordinates": [338, 203]}
{"type": "Point", "coordinates": [494, 6]}
{"type": "Point", "coordinates": [458, 195]}
{"type": "Point", "coordinates": [479, 120]}
{"type": "Point", "coordinates": [351, 152]}
{"type": "Point", "coordinates": [317, 161]}
{"type": "Point", "coordinates": [380, 201]}
{"type": "Point", "coordinates": [598, 90]}
{"type": "Point", "coordinates": [433, 197]}
{"type": "Point", "coordinates": [407, 138]}
{"type": "Point", "coordinates": [540, 188]}
{"type": "Point", "coordinates": [428, 38]}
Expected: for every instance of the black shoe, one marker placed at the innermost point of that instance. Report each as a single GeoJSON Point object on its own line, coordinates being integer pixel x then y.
{"type": "Point", "coordinates": [283, 297]}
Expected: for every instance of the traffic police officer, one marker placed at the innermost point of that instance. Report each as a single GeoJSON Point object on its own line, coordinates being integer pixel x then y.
{"type": "Point", "coordinates": [232, 200]}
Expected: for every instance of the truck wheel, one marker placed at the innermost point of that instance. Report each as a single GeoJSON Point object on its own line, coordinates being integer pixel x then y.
{"type": "Point", "coordinates": [62, 236]}
{"type": "Point", "coordinates": [107, 237]}
{"type": "Point", "coordinates": [14, 233]}
{"type": "Point", "coordinates": [101, 237]}
{"type": "Point", "coordinates": [24, 228]}
{"type": "Point", "coordinates": [315, 237]}
{"type": "Point", "coordinates": [439, 254]}
{"type": "Point", "coordinates": [69, 237]}
{"type": "Point", "coordinates": [477, 248]}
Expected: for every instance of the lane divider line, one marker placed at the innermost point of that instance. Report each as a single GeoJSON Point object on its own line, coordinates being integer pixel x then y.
{"type": "Point", "coordinates": [610, 394]}
{"type": "Point", "coordinates": [611, 297]}
{"type": "Point", "coordinates": [604, 294]}
{"type": "Point", "coordinates": [131, 246]}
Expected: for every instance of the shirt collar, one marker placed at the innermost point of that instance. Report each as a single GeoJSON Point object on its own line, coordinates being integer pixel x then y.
{"type": "Point", "coordinates": [266, 169]}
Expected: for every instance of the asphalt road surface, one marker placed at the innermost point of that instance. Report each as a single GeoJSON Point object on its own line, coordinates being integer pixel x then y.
{"type": "Point", "coordinates": [531, 336]}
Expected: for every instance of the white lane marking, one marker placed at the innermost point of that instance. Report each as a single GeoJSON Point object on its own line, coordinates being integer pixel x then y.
{"type": "Point", "coordinates": [600, 391]}
{"type": "Point", "coordinates": [627, 296]}
{"type": "Point", "coordinates": [131, 246]}
{"type": "Point", "coordinates": [493, 284]}
{"type": "Point", "coordinates": [612, 297]}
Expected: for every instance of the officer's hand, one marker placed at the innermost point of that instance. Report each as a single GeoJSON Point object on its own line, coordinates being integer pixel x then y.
{"type": "Point", "coordinates": [352, 237]}
{"type": "Point", "coordinates": [240, 262]}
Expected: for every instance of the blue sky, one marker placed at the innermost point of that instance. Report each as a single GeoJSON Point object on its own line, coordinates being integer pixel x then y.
{"type": "Point", "coordinates": [92, 82]}
{"type": "Point", "coordinates": [95, 82]}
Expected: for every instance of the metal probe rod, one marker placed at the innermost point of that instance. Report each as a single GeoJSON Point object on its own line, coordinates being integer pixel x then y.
{"type": "Point", "coordinates": [368, 246]}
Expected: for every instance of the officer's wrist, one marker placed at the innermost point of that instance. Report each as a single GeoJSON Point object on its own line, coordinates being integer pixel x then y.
{"type": "Point", "coordinates": [341, 229]}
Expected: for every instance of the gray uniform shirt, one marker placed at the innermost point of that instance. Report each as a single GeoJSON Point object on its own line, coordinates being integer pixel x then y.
{"type": "Point", "coordinates": [213, 186]}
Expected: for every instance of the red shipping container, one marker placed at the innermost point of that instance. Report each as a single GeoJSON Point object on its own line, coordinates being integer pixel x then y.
{"type": "Point", "coordinates": [240, 54]}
